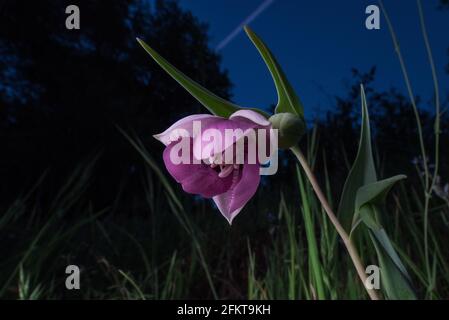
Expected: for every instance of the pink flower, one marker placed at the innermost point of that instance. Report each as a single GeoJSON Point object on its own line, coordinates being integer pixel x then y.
{"type": "Point", "coordinates": [207, 172]}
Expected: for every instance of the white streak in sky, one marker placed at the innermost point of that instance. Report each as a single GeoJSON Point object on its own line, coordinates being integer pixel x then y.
{"type": "Point", "coordinates": [264, 5]}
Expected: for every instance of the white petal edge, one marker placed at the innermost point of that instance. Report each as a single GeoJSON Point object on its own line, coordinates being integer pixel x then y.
{"type": "Point", "coordinates": [251, 115]}
{"type": "Point", "coordinates": [184, 123]}
{"type": "Point", "coordinates": [229, 216]}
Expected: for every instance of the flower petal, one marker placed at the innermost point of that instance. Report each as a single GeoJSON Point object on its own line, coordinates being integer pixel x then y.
{"type": "Point", "coordinates": [205, 146]}
{"type": "Point", "coordinates": [198, 179]}
{"type": "Point", "coordinates": [185, 124]}
{"type": "Point", "coordinates": [242, 190]}
{"type": "Point", "coordinates": [250, 115]}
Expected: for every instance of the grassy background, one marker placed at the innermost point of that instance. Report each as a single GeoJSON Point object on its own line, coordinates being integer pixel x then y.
{"type": "Point", "coordinates": [281, 246]}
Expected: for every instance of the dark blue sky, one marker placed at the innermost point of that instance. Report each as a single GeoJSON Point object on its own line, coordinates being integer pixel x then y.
{"type": "Point", "coordinates": [318, 42]}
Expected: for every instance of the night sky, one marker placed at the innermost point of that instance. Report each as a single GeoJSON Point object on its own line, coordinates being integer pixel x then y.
{"type": "Point", "coordinates": [318, 42]}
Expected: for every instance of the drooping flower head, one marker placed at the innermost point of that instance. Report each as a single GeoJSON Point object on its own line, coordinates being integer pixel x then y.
{"type": "Point", "coordinates": [215, 157]}
{"type": "Point", "coordinates": [228, 171]}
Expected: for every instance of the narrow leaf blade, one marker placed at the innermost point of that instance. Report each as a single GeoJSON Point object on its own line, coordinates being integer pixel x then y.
{"type": "Point", "coordinates": [288, 101]}
{"type": "Point", "coordinates": [216, 105]}
{"type": "Point", "coordinates": [362, 172]}
{"type": "Point", "coordinates": [374, 193]}
{"type": "Point", "coordinates": [396, 283]}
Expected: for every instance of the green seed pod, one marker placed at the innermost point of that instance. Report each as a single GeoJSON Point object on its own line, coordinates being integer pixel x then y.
{"type": "Point", "coordinates": [290, 128]}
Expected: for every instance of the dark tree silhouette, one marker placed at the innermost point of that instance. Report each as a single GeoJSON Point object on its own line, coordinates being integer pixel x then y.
{"type": "Point", "coordinates": [63, 92]}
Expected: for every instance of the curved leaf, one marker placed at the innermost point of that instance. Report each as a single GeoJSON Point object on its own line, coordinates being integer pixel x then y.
{"type": "Point", "coordinates": [396, 283]}
{"type": "Point", "coordinates": [362, 172]}
{"type": "Point", "coordinates": [288, 101]}
{"type": "Point", "coordinates": [374, 193]}
{"type": "Point", "coordinates": [216, 105]}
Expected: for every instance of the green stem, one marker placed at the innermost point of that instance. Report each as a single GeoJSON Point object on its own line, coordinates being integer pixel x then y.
{"type": "Point", "coordinates": [429, 181]}
{"type": "Point", "coordinates": [333, 218]}
{"type": "Point", "coordinates": [410, 92]}
{"type": "Point", "coordinates": [436, 128]}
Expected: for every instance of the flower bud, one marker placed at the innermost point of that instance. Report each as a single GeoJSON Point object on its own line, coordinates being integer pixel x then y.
{"type": "Point", "coordinates": [290, 128]}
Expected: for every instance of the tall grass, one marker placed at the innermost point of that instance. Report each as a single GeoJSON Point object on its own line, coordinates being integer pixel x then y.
{"type": "Point", "coordinates": [429, 178]}
{"type": "Point", "coordinates": [275, 250]}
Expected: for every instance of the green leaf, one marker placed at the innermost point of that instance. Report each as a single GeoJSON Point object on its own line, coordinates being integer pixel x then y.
{"type": "Point", "coordinates": [396, 283]}
{"type": "Point", "coordinates": [382, 238]}
{"type": "Point", "coordinates": [374, 193]}
{"type": "Point", "coordinates": [288, 101]}
{"type": "Point", "coordinates": [362, 193]}
{"type": "Point", "coordinates": [362, 172]}
{"type": "Point", "coordinates": [216, 105]}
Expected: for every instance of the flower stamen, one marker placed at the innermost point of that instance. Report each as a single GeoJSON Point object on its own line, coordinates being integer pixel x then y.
{"type": "Point", "coordinates": [226, 170]}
